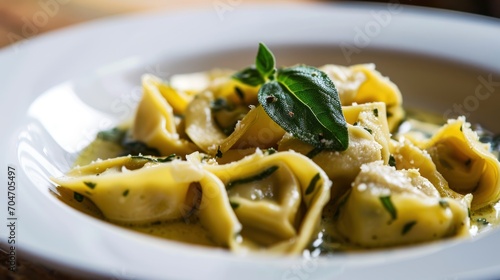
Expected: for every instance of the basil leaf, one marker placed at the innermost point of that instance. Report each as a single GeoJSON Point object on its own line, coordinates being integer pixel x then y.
{"type": "Point", "coordinates": [305, 103]}
{"type": "Point", "coordinates": [250, 76]}
{"type": "Point", "coordinates": [265, 61]}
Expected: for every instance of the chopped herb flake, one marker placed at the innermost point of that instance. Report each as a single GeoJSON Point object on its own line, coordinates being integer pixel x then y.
{"type": "Point", "coordinates": [270, 151]}
{"type": "Point", "coordinates": [219, 153]}
{"type": "Point", "coordinates": [264, 174]}
{"type": "Point", "coordinates": [153, 159]}
{"type": "Point", "coordinates": [314, 152]}
{"type": "Point", "coordinates": [240, 93]}
{"type": "Point", "coordinates": [219, 104]}
{"type": "Point", "coordinates": [114, 135]}
{"type": "Point", "coordinates": [78, 197]}
{"type": "Point", "coordinates": [138, 148]}
{"type": "Point", "coordinates": [125, 193]}
{"type": "Point", "coordinates": [387, 203]}
{"type": "Point", "coordinates": [482, 221]}
{"type": "Point", "coordinates": [407, 227]}
{"type": "Point", "coordinates": [444, 203]}
{"type": "Point", "coordinates": [392, 161]}
{"type": "Point", "coordinates": [167, 158]}
{"type": "Point", "coordinates": [375, 112]}
{"type": "Point", "coordinates": [369, 130]}
{"type": "Point", "coordinates": [341, 204]}
{"type": "Point", "coordinates": [90, 184]}
{"type": "Point", "coordinates": [312, 184]}
{"type": "Point", "coordinates": [234, 205]}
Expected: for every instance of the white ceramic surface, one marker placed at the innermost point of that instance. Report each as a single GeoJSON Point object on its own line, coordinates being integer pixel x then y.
{"type": "Point", "coordinates": [59, 89]}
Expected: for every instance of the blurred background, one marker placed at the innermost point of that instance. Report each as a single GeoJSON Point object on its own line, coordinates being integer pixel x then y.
{"type": "Point", "coordinates": [21, 19]}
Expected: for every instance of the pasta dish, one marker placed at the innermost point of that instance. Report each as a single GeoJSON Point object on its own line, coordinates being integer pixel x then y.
{"type": "Point", "coordinates": [286, 160]}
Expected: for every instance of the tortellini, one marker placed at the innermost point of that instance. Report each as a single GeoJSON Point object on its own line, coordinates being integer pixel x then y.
{"type": "Point", "coordinates": [388, 207]}
{"type": "Point", "coordinates": [362, 84]}
{"type": "Point", "coordinates": [466, 163]}
{"type": "Point", "coordinates": [277, 198]}
{"type": "Point", "coordinates": [139, 190]}
{"type": "Point", "coordinates": [155, 122]}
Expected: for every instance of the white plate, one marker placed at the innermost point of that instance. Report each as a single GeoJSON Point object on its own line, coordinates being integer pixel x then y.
{"type": "Point", "coordinates": [58, 89]}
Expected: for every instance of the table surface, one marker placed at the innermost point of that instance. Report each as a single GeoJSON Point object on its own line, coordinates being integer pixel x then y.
{"type": "Point", "coordinates": [22, 19]}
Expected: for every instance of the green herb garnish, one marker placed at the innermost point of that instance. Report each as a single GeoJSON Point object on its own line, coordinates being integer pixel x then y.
{"type": "Point", "coordinates": [264, 174]}
{"type": "Point", "coordinates": [138, 148]}
{"type": "Point", "coordinates": [234, 205]}
{"type": "Point", "coordinates": [444, 203]}
{"type": "Point", "coordinates": [482, 221]}
{"type": "Point", "coordinates": [114, 135]}
{"type": "Point", "coordinates": [341, 204]}
{"type": "Point", "coordinates": [90, 184]}
{"type": "Point", "coordinates": [153, 159]}
{"type": "Point", "coordinates": [392, 161]}
{"type": "Point", "coordinates": [387, 203]}
{"type": "Point", "coordinates": [375, 112]}
{"type": "Point", "coordinates": [219, 153]}
{"type": "Point", "coordinates": [270, 151]}
{"type": "Point", "coordinates": [407, 227]}
{"type": "Point", "coordinates": [240, 93]}
{"type": "Point", "coordinates": [219, 104]}
{"type": "Point", "coordinates": [125, 193]}
{"type": "Point", "coordinates": [78, 197]}
{"type": "Point", "coordinates": [314, 152]}
{"type": "Point", "coordinates": [312, 184]}
{"type": "Point", "coordinates": [301, 99]}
